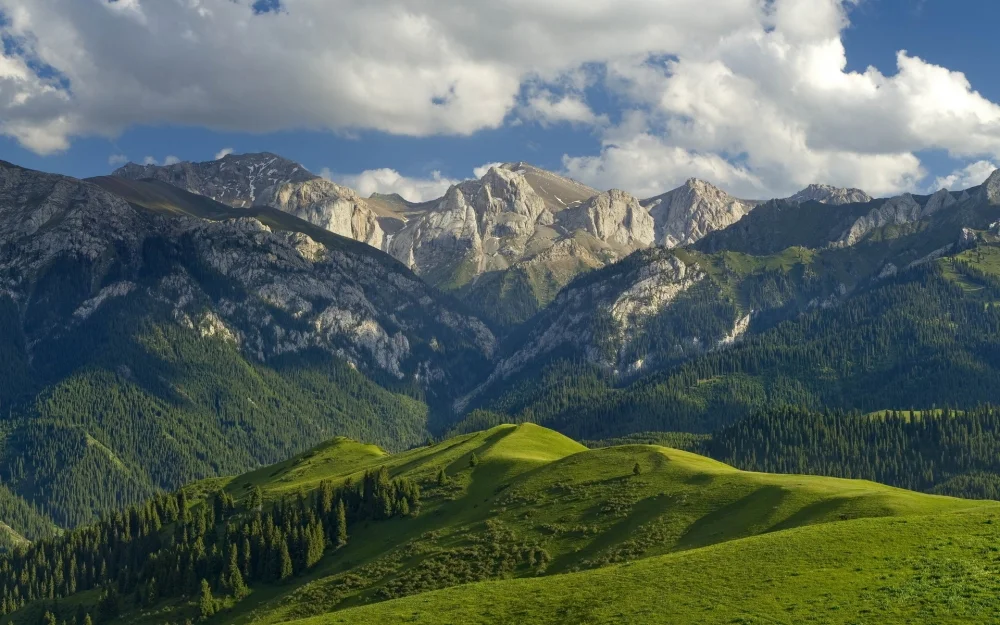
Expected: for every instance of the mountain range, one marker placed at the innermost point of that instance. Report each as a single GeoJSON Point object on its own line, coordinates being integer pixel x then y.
{"type": "Point", "coordinates": [166, 324]}
{"type": "Point", "coordinates": [505, 244]}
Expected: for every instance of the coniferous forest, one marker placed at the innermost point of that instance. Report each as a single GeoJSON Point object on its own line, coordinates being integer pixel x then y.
{"type": "Point", "coordinates": [169, 548]}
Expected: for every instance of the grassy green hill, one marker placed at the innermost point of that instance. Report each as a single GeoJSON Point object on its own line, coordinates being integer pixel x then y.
{"type": "Point", "coordinates": [923, 569]}
{"type": "Point", "coordinates": [523, 502]}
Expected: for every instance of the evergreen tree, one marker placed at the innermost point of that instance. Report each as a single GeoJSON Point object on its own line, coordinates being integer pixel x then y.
{"type": "Point", "coordinates": [234, 577]}
{"type": "Point", "coordinates": [284, 560]}
{"type": "Point", "coordinates": [256, 500]}
{"type": "Point", "coordinates": [636, 470]}
{"type": "Point", "coordinates": [341, 524]}
{"type": "Point", "coordinates": [206, 602]}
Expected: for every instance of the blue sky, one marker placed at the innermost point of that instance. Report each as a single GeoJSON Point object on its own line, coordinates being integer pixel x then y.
{"type": "Point", "coordinates": [626, 137]}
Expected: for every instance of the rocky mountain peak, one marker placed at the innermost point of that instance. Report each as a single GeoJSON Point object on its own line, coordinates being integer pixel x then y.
{"type": "Point", "coordinates": [236, 179]}
{"type": "Point", "coordinates": [828, 194]}
{"type": "Point", "coordinates": [615, 217]}
{"type": "Point", "coordinates": [71, 246]}
{"type": "Point", "coordinates": [689, 212]}
{"type": "Point", "coordinates": [990, 191]}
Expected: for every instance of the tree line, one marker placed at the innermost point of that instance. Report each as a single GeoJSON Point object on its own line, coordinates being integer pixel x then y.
{"type": "Point", "coordinates": [213, 550]}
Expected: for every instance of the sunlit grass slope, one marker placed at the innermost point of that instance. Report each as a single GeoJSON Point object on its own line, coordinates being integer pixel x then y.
{"type": "Point", "coordinates": [935, 569]}
{"type": "Point", "coordinates": [524, 501]}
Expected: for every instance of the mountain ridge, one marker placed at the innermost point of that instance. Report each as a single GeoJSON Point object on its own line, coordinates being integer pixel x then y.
{"type": "Point", "coordinates": [504, 244]}
{"type": "Point", "coordinates": [156, 336]}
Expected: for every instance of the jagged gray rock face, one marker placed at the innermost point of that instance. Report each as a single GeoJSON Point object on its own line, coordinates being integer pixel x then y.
{"type": "Point", "coordinates": [688, 213]}
{"type": "Point", "coordinates": [68, 248]}
{"type": "Point", "coordinates": [603, 319]}
{"type": "Point", "coordinates": [900, 210]}
{"type": "Point", "coordinates": [989, 192]}
{"type": "Point", "coordinates": [615, 217]}
{"type": "Point", "coordinates": [45, 217]}
{"type": "Point", "coordinates": [827, 194]}
{"type": "Point", "coordinates": [329, 205]}
{"type": "Point", "coordinates": [236, 180]}
{"type": "Point", "coordinates": [514, 215]}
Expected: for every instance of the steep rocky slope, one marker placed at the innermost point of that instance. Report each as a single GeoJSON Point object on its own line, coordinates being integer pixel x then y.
{"type": "Point", "coordinates": [659, 308]}
{"type": "Point", "coordinates": [505, 243]}
{"type": "Point", "coordinates": [150, 336]}
{"type": "Point", "coordinates": [827, 194]}
{"type": "Point", "coordinates": [693, 210]}
{"type": "Point", "coordinates": [334, 294]}
{"type": "Point", "coordinates": [237, 180]}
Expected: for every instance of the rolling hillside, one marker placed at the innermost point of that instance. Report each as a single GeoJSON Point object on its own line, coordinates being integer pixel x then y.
{"type": "Point", "coordinates": [934, 569]}
{"type": "Point", "coordinates": [513, 502]}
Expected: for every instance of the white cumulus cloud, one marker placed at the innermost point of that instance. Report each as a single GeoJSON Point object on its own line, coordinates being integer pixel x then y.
{"type": "Point", "coordinates": [482, 170]}
{"type": "Point", "coordinates": [388, 181]}
{"type": "Point", "coordinates": [171, 160]}
{"type": "Point", "coordinates": [116, 160]}
{"type": "Point", "coordinates": [223, 153]}
{"type": "Point", "coordinates": [972, 175]}
{"type": "Point", "coordinates": [753, 94]}
{"type": "Point", "coordinates": [417, 69]}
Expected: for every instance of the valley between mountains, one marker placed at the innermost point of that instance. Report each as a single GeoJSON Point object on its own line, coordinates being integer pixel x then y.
{"type": "Point", "coordinates": [527, 388]}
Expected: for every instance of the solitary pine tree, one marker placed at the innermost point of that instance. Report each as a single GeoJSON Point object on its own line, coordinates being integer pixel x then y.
{"type": "Point", "coordinates": [473, 459]}
{"type": "Point", "coordinates": [636, 470]}
{"type": "Point", "coordinates": [284, 561]}
{"type": "Point", "coordinates": [206, 605]}
{"type": "Point", "coordinates": [256, 500]}
{"type": "Point", "coordinates": [234, 577]}
{"type": "Point", "coordinates": [341, 524]}
{"type": "Point", "coordinates": [442, 477]}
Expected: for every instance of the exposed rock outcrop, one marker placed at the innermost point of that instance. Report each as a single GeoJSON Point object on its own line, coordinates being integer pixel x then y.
{"type": "Point", "coordinates": [827, 194]}
{"type": "Point", "coordinates": [688, 213]}
{"type": "Point", "coordinates": [901, 210]}
{"type": "Point", "coordinates": [615, 217]}
{"type": "Point", "coordinates": [329, 205]}
{"type": "Point", "coordinates": [69, 248]}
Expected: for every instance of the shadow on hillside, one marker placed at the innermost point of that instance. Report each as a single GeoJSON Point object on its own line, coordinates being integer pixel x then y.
{"type": "Point", "coordinates": [750, 515]}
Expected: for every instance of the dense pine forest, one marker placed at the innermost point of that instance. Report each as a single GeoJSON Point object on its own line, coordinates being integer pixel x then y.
{"type": "Point", "coordinates": [209, 551]}
{"type": "Point", "coordinates": [943, 451]}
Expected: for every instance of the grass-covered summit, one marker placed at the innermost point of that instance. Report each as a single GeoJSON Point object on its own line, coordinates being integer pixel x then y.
{"type": "Point", "coordinates": [507, 503]}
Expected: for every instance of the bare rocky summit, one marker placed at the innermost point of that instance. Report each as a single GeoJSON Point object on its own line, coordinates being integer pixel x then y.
{"type": "Point", "coordinates": [236, 180]}
{"type": "Point", "coordinates": [518, 224]}
{"type": "Point", "coordinates": [70, 248]}
{"type": "Point", "coordinates": [693, 210]}
{"type": "Point", "coordinates": [827, 194]}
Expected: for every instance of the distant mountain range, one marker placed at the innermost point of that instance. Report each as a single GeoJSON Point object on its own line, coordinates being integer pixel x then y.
{"type": "Point", "coordinates": [505, 244]}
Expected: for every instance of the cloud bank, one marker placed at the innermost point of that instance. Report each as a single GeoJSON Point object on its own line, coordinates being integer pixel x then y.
{"type": "Point", "coordinates": [751, 94]}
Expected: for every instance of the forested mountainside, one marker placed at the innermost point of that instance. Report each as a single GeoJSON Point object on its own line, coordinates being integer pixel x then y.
{"type": "Point", "coordinates": [147, 344]}
{"type": "Point", "coordinates": [690, 340]}
{"type": "Point", "coordinates": [345, 528]}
